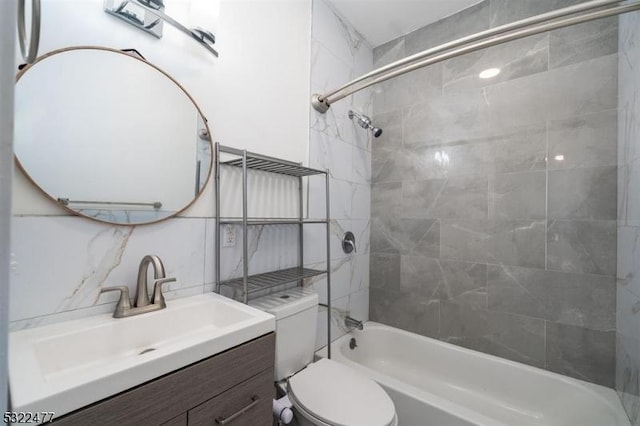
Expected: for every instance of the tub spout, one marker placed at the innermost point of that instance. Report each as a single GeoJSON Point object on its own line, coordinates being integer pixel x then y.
{"type": "Point", "coordinates": [353, 323]}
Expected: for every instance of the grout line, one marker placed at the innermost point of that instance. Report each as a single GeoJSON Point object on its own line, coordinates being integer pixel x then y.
{"type": "Point", "coordinates": [546, 199]}
{"type": "Point", "coordinates": [544, 345]}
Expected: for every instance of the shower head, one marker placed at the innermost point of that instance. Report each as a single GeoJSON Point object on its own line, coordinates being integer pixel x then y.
{"type": "Point", "coordinates": [365, 123]}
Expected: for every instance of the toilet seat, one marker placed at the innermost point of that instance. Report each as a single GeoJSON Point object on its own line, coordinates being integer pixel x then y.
{"type": "Point", "coordinates": [337, 395]}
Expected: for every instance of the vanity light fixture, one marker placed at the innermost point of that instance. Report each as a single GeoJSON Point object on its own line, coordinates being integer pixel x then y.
{"type": "Point", "coordinates": [489, 73]}
{"type": "Point", "coordinates": [148, 15]}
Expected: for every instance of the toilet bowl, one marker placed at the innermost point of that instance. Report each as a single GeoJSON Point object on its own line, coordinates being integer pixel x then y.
{"type": "Point", "coordinates": [325, 392]}
{"type": "Point", "coordinates": [328, 393]}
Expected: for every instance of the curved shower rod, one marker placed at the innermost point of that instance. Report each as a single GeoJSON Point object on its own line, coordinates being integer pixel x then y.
{"type": "Point", "coordinates": [513, 31]}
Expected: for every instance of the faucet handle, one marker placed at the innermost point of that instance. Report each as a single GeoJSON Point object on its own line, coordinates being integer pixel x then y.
{"type": "Point", "coordinates": [349, 242]}
{"type": "Point", "coordinates": [158, 298]}
{"type": "Point", "coordinates": [124, 303]}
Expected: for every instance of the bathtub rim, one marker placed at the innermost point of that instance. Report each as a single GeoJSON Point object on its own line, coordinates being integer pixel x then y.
{"type": "Point", "coordinates": [605, 395]}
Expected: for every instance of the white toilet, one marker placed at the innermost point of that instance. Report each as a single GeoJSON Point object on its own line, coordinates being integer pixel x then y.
{"type": "Point", "coordinates": [325, 393]}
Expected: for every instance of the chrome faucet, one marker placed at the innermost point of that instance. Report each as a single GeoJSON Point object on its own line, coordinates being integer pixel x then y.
{"type": "Point", "coordinates": [142, 304]}
{"type": "Point", "coordinates": [353, 323]}
{"type": "Point", "coordinates": [142, 294]}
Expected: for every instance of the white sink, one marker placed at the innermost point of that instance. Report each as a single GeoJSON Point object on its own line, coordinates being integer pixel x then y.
{"type": "Point", "coordinates": [65, 366]}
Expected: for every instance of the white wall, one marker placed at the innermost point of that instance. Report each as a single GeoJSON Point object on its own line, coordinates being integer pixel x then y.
{"type": "Point", "coordinates": [7, 40]}
{"type": "Point", "coordinates": [255, 95]}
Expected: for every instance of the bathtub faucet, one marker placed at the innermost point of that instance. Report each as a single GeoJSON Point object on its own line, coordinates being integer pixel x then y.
{"type": "Point", "coordinates": [353, 323]}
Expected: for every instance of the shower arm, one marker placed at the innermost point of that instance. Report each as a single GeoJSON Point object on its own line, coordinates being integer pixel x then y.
{"type": "Point", "coordinates": [363, 121]}
{"type": "Point", "coordinates": [473, 43]}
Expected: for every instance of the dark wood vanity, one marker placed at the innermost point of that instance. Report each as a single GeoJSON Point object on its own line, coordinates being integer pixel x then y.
{"type": "Point", "coordinates": [238, 381]}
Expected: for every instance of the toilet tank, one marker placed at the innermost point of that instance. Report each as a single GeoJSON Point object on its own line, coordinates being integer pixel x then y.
{"type": "Point", "coordinates": [296, 313]}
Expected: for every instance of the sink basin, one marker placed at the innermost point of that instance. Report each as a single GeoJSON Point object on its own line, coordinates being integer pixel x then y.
{"type": "Point", "coordinates": [65, 366]}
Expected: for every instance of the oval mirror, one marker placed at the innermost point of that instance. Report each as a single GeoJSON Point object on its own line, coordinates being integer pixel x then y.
{"type": "Point", "coordinates": [110, 136]}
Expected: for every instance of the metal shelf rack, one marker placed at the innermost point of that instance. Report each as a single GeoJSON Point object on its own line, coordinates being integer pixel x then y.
{"type": "Point", "coordinates": [271, 279]}
{"type": "Point", "coordinates": [250, 284]}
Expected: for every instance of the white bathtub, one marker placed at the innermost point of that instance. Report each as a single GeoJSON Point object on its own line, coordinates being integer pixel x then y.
{"type": "Point", "coordinates": [433, 383]}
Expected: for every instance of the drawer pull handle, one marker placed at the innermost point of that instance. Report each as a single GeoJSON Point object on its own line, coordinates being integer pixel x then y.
{"type": "Point", "coordinates": [255, 400]}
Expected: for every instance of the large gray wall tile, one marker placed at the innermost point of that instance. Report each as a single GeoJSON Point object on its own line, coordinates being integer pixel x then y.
{"type": "Point", "coordinates": [583, 88]}
{"type": "Point", "coordinates": [519, 102]}
{"type": "Point", "coordinates": [583, 42]}
{"type": "Point", "coordinates": [518, 195]}
{"type": "Point", "coordinates": [389, 52]}
{"type": "Point", "coordinates": [483, 185]}
{"type": "Point", "coordinates": [583, 193]}
{"type": "Point", "coordinates": [409, 89]}
{"type": "Point", "coordinates": [452, 117]}
{"type": "Point", "coordinates": [515, 242]}
{"type": "Point", "coordinates": [460, 197]}
{"type": "Point", "coordinates": [420, 276]}
{"type": "Point", "coordinates": [509, 336]}
{"type": "Point", "coordinates": [575, 299]}
{"type": "Point", "coordinates": [431, 279]}
{"type": "Point", "coordinates": [515, 59]}
{"type": "Point", "coordinates": [385, 271]}
{"type": "Point", "coordinates": [520, 149]}
{"type": "Point", "coordinates": [391, 125]}
{"type": "Point", "coordinates": [578, 89]}
{"type": "Point", "coordinates": [388, 164]}
{"type": "Point", "coordinates": [466, 22]}
{"type": "Point", "coordinates": [406, 236]}
{"type": "Point", "coordinates": [582, 353]}
{"type": "Point", "coordinates": [386, 199]}
{"type": "Point", "coordinates": [582, 246]}
{"type": "Point", "coordinates": [584, 141]}
{"type": "Point", "coordinates": [506, 11]}
{"type": "Point", "coordinates": [405, 312]}
{"type": "Point", "coordinates": [464, 283]}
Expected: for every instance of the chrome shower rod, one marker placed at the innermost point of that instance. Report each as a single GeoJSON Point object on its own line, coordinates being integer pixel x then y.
{"type": "Point", "coordinates": [482, 40]}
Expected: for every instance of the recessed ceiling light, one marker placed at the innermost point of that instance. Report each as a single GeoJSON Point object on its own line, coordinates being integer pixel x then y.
{"type": "Point", "coordinates": [489, 73]}
{"type": "Point", "coordinates": [559, 157]}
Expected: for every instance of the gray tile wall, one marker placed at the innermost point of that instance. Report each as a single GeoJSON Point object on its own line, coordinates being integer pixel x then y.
{"type": "Point", "coordinates": [628, 262]}
{"type": "Point", "coordinates": [494, 201]}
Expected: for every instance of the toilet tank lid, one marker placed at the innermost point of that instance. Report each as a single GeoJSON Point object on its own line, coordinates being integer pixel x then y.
{"type": "Point", "coordinates": [286, 303]}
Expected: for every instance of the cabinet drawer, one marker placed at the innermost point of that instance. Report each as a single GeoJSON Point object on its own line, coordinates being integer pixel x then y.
{"type": "Point", "coordinates": [181, 420]}
{"type": "Point", "coordinates": [247, 404]}
{"type": "Point", "coordinates": [161, 400]}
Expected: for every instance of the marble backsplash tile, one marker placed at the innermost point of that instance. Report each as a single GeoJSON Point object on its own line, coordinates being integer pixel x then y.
{"type": "Point", "coordinates": [339, 144]}
{"type": "Point", "coordinates": [62, 263]}
{"type": "Point", "coordinates": [628, 230]}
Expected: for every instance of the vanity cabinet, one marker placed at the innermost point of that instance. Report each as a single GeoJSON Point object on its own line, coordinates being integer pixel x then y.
{"type": "Point", "coordinates": [238, 381]}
